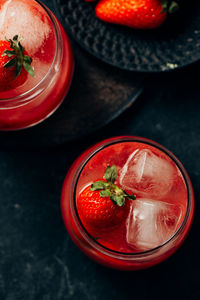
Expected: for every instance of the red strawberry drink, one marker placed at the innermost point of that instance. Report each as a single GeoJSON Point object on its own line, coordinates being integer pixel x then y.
{"type": "Point", "coordinates": [127, 203]}
{"type": "Point", "coordinates": [36, 63]}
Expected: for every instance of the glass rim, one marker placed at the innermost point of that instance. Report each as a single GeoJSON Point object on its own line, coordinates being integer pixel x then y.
{"type": "Point", "coordinates": [121, 139]}
{"type": "Point", "coordinates": [32, 90]}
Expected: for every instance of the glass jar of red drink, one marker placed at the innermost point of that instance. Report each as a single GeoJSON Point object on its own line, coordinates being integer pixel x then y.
{"type": "Point", "coordinates": [168, 202]}
{"type": "Point", "coordinates": [45, 40]}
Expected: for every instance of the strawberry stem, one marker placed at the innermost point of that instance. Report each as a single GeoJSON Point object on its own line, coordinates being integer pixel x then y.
{"type": "Point", "coordinates": [170, 6]}
{"type": "Point", "coordinates": [109, 189]}
{"type": "Point", "coordinates": [18, 58]}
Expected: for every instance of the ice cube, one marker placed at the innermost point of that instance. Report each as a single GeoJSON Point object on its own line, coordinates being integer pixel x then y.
{"type": "Point", "coordinates": [26, 19]}
{"type": "Point", "coordinates": [151, 223]}
{"type": "Point", "coordinates": [147, 174]}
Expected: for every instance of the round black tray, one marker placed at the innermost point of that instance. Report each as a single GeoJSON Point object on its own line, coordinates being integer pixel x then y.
{"type": "Point", "coordinates": [173, 45]}
{"type": "Point", "coordinates": [99, 93]}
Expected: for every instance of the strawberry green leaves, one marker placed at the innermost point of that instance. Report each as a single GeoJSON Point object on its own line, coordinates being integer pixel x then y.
{"type": "Point", "coordinates": [174, 7]}
{"type": "Point", "coordinates": [109, 189]}
{"type": "Point", "coordinates": [111, 174]}
{"type": "Point", "coordinates": [27, 65]}
{"type": "Point", "coordinates": [98, 185]}
{"type": "Point", "coordinates": [170, 6]}
{"type": "Point", "coordinates": [18, 57]}
{"type": "Point", "coordinates": [105, 193]}
{"type": "Point", "coordinates": [118, 200]}
{"type": "Point", "coordinates": [164, 6]}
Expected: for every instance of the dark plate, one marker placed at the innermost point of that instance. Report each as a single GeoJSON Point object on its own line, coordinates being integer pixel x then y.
{"type": "Point", "coordinates": [173, 45]}
{"type": "Point", "coordinates": [99, 93]}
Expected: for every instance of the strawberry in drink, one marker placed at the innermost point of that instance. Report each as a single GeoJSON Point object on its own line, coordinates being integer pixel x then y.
{"type": "Point", "coordinates": [130, 204]}
{"type": "Point", "coordinates": [36, 63]}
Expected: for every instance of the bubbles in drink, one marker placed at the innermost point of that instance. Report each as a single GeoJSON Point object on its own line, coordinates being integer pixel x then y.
{"type": "Point", "coordinates": [151, 223]}
{"type": "Point", "coordinates": [147, 174]}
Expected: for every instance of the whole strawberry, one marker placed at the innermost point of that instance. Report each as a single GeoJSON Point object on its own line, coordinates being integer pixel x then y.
{"type": "Point", "coordinates": [15, 64]}
{"type": "Point", "coordinates": [140, 14]}
{"type": "Point", "coordinates": [103, 204]}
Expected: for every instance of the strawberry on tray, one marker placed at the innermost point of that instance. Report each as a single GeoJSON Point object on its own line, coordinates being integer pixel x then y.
{"type": "Point", "coordinates": [140, 14]}
{"type": "Point", "coordinates": [136, 35]}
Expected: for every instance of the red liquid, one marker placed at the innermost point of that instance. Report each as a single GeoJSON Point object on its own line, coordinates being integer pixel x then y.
{"type": "Point", "coordinates": [117, 155]}
{"type": "Point", "coordinates": [177, 213]}
{"type": "Point", "coordinates": [38, 97]}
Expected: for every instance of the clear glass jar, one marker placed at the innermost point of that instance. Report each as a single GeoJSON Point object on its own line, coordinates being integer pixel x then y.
{"type": "Point", "coordinates": [90, 246]}
{"type": "Point", "coordinates": [35, 105]}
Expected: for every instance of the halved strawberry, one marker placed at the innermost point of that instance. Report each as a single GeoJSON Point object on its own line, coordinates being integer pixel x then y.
{"type": "Point", "coordinates": [15, 64]}
{"type": "Point", "coordinates": [103, 204]}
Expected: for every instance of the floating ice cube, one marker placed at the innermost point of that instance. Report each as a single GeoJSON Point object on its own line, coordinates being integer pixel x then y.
{"type": "Point", "coordinates": [26, 19]}
{"type": "Point", "coordinates": [151, 223]}
{"type": "Point", "coordinates": [147, 174]}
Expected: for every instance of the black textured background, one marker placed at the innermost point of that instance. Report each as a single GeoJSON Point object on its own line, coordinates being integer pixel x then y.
{"type": "Point", "coordinates": [38, 259]}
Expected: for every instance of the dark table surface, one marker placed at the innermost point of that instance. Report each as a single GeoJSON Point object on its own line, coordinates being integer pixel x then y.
{"type": "Point", "coordinates": [37, 258]}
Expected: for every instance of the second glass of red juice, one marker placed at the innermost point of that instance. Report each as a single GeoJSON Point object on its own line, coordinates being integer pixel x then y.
{"type": "Point", "coordinates": [127, 203]}
{"type": "Point", "coordinates": [28, 100]}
